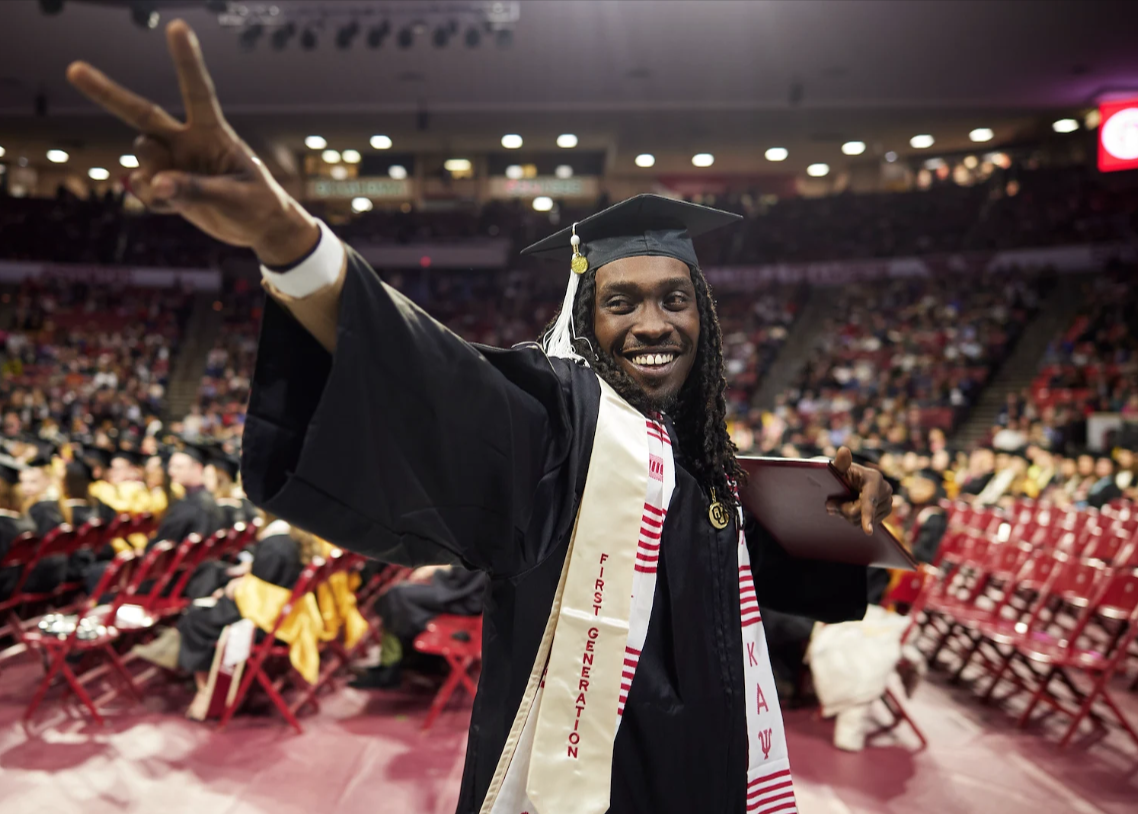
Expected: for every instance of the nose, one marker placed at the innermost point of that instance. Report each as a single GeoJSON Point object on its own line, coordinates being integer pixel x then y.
{"type": "Point", "coordinates": [652, 327]}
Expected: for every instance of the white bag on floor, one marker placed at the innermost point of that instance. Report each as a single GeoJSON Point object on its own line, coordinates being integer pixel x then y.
{"type": "Point", "coordinates": [851, 661]}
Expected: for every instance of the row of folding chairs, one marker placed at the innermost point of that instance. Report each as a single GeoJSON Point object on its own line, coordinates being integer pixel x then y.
{"type": "Point", "coordinates": [1035, 607]}
{"type": "Point", "coordinates": [28, 551]}
{"type": "Point", "coordinates": [136, 593]}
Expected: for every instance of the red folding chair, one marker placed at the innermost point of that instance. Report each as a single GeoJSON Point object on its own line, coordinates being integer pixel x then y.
{"type": "Point", "coordinates": [1051, 650]}
{"type": "Point", "coordinates": [458, 639]}
{"type": "Point", "coordinates": [269, 648]}
{"type": "Point", "coordinates": [21, 553]}
{"type": "Point", "coordinates": [56, 650]}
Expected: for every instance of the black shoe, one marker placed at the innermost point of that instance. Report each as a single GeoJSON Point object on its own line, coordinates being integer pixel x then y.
{"type": "Point", "coordinates": [379, 678]}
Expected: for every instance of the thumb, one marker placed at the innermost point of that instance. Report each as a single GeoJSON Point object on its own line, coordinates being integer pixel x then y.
{"type": "Point", "coordinates": [843, 460]}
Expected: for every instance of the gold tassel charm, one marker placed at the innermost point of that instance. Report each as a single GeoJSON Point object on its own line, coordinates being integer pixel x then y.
{"type": "Point", "coordinates": [579, 263]}
{"type": "Point", "coordinates": [718, 513]}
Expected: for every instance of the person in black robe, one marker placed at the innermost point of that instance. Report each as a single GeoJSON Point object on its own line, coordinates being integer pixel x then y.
{"type": "Point", "coordinates": [221, 476]}
{"type": "Point", "coordinates": [13, 523]}
{"type": "Point", "coordinates": [35, 486]}
{"type": "Point", "coordinates": [375, 428]}
{"type": "Point", "coordinates": [77, 508]}
{"type": "Point", "coordinates": [406, 609]}
{"type": "Point", "coordinates": [489, 476]}
{"type": "Point", "coordinates": [924, 526]}
{"type": "Point", "coordinates": [278, 557]}
{"type": "Point", "coordinates": [197, 512]}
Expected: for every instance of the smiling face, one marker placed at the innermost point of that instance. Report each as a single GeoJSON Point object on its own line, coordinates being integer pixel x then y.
{"type": "Point", "coordinates": [646, 317]}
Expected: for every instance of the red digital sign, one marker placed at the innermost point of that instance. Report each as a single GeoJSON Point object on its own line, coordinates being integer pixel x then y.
{"type": "Point", "coordinates": [1118, 135]}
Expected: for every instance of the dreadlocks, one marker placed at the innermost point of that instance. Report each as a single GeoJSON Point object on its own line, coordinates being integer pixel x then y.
{"type": "Point", "coordinates": [700, 410]}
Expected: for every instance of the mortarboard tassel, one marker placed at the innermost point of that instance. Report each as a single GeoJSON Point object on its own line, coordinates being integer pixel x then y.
{"type": "Point", "coordinates": [559, 340]}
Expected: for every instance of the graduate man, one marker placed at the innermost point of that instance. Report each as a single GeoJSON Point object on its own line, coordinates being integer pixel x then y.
{"type": "Point", "coordinates": [591, 478]}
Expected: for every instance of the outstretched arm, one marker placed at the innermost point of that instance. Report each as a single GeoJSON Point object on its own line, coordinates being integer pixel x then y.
{"type": "Point", "coordinates": [203, 171]}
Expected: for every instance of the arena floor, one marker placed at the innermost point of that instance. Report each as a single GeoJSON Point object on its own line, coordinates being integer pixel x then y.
{"type": "Point", "coordinates": [364, 753]}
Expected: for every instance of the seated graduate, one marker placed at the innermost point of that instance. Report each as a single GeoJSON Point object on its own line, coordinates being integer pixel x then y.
{"type": "Point", "coordinates": [197, 512]}
{"type": "Point", "coordinates": [122, 488]}
{"type": "Point", "coordinates": [77, 507]}
{"type": "Point", "coordinates": [406, 608]}
{"type": "Point", "coordinates": [279, 556]}
{"type": "Point", "coordinates": [157, 480]}
{"type": "Point", "coordinates": [922, 527]}
{"type": "Point", "coordinates": [49, 572]}
{"type": "Point", "coordinates": [221, 476]}
{"type": "Point", "coordinates": [41, 496]}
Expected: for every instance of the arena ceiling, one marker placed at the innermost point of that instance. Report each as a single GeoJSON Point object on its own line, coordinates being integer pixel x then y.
{"type": "Point", "coordinates": [625, 75]}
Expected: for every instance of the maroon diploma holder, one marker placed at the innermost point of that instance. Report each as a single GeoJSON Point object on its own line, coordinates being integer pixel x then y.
{"type": "Point", "coordinates": [788, 498]}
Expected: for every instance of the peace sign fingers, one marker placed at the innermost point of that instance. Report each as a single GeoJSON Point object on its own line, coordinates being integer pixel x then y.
{"type": "Point", "coordinates": [139, 113]}
{"type": "Point", "coordinates": [198, 94]}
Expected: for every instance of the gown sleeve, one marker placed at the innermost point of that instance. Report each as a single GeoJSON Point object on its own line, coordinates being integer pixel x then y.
{"type": "Point", "coordinates": [825, 591]}
{"type": "Point", "coordinates": [407, 445]}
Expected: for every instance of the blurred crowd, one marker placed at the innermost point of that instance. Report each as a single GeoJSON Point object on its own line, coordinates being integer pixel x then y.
{"type": "Point", "coordinates": [1017, 207]}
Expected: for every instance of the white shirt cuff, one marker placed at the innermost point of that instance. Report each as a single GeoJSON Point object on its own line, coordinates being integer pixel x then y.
{"type": "Point", "coordinates": [319, 269]}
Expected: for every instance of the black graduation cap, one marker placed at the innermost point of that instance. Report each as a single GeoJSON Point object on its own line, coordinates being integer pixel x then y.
{"type": "Point", "coordinates": [225, 462]}
{"type": "Point", "coordinates": [45, 451]}
{"type": "Point", "coordinates": [97, 456]}
{"type": "Point", "coordinates": [10, 469]}
{"type": "Point", "coordinates": [199, 452]}
{"type": "Point", "coordinates": [132, 456]}
{"type": "Point", "coordinates": [642, 225]}
{"type": "Point", "coordinates": [81, 468]}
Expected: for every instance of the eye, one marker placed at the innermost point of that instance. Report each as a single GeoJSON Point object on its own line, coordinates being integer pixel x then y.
{"type": "Point", "coordinates": [618, 305]}
{"type": "Point", "coordinates": [676, 301]}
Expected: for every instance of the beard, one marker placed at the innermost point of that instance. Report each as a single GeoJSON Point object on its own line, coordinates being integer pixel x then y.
{"type": "Point", "coordinates": [626, 387]}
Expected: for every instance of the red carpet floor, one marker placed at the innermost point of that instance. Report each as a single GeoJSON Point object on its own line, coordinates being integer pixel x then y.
{"type": "Point", "coordinates": [364, 753]}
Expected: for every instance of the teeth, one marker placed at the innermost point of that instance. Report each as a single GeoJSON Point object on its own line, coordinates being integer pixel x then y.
{"type": "Point", "coordinates": [653, 359]}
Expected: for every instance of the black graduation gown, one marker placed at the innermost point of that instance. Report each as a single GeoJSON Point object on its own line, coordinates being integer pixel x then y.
{"type": "Point", "coordinates": [412, 446]}
{"type": "Point", "coordinates": [276, 559]}
{"type": "Point", "coordinates": [83, 511]}
{"type": "Point", "coordinates": [47, 516]}
{"type": "Point", "coordinates": [196, 513]}
{"type": "Point", "coordinates": [407, 608]}
{"type": "Point", "coordinates": [236, 510]}
{"type": "Point", "coordinates": [48, 572]}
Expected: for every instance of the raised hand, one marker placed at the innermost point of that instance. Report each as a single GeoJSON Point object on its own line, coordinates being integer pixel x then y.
{"type": "Point", "coordinates": [200, 168]}
{"type": "Point", "coordinates": [874, 496]}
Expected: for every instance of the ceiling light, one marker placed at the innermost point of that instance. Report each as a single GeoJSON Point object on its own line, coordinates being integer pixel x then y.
{"type": "Point", "coordinates": [340, 172]}
{"type": "Point", "coordinates": [853, 147]}
{"type": "Point", "coordinates": [381, 142]}
{"type": "Point", "coordinates": [515, 172]}
{"type": "Point", "coordinates": [315, 142]}
{"type": "Point", "coordinates": [891, 156]}
{"type": "Point", "coordinates": [703, 159]}
{"type": "Point", "coordinates": [57, 156]}
{"type": "Point", "coordinates": [128, 161]}
{"type": "Point", "coordinates": [645, 160]}
{"type": "Point", "coordinates": [971, 162]}
{"type": "Point", "coordinates": [351, 156]}
{"type": "Point", "coordinates": [2, 151]}
{"type": "Point", "coordinates": [1092, 119]}
{"type": "Point", "coordinates": [563, 171]}
{"type": "Point", "coordinates": [567, 141]}
{"type": "Point", "coordinates": [330, 157]}
{"type": "Point", "coordinates": [98, 174]}
{"type": "Point", "coordinates": [981, 134]}
{"type": "Point", "coordinates": [777, 154]}
{"type": "Point", "coordinates": [457, 165]}
{"type": "Point", "coordinates": [511, 141]}
{"type": "Point", "coordinates": [818, 170]}
{"type": "Point", "coordinates": [397, 172]}
{"type": "Point", "coordinates": [922, 142]}
{"type": "Point", "coordinates": [1065, 126]}
{"type": "Point", "coordinates": [543, 203]}
{"type": "Point", "coordinates": [362, 204]}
